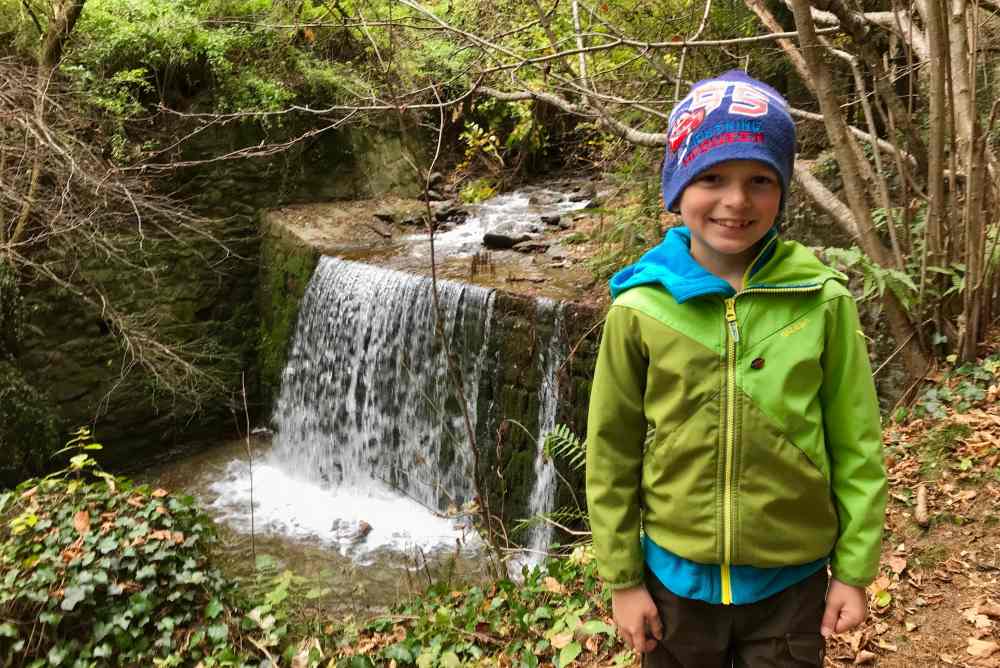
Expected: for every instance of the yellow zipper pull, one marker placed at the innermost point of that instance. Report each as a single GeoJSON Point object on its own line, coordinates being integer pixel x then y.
{"type": "Point", "coordinates": [734, 330]}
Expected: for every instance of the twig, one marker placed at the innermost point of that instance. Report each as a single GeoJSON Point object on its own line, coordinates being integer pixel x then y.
{"type": "Point", "coordinates": [246, 412]}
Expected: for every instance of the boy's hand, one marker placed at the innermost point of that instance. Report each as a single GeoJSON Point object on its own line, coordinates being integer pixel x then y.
{"type": "Point", "coordinates": [846, 607]}
{"type": "Point", "coordinates": [635, 613]}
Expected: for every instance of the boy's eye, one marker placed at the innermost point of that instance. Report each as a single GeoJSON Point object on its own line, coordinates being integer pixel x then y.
{"type": "Point", "coordinates": [762, 180]}
{"type": "Point", "coordinates": [709, 178]}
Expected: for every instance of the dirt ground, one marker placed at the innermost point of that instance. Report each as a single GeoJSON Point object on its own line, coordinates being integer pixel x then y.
{"type": "Point", "coordinates": [937, 601]}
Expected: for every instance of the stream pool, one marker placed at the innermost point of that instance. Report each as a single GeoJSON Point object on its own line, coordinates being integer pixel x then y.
{"type": "Point", "coordinates": [370, 547]}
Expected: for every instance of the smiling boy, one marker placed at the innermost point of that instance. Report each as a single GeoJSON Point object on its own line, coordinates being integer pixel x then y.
{"type": "Point", "coordinates": [742, 356]}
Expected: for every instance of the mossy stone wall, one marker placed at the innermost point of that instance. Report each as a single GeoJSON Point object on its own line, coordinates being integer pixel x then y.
{"type": "Point", "coordinates": [205, 295]}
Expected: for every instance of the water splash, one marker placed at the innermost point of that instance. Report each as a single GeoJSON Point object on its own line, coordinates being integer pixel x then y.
{"type": "Point", "coordinates": [366, 401]}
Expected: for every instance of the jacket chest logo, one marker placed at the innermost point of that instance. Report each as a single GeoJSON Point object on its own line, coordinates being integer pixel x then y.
{"type": "Point", "coordinates": [792, 329]}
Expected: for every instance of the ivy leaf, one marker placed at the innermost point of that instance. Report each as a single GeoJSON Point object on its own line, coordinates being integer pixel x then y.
{"type": "Point", "coordinates": [72, 596]}
{"type": "Point", "coordinates": [399, 652]}
{"type": "Point", "coordinates": [595, 626]}
{"type": "Point", "coordinates": [218, 632]}
{"type": "Point", "coordinates": [213, 609]}
{"type": "Point", "coordinates": [109, 544]}
{"type": "Point", "coordinates": [883, 599]}
{"type": "Point", "coordinates": [568, 653]}
{"type": "Point", "coordinates": [450, 660]}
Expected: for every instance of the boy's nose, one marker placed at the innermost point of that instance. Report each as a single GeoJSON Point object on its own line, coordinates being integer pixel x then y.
{"type": "Point", "coordinates": [736, 196]}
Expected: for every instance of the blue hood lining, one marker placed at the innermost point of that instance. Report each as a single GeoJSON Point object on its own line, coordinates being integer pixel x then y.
{"type": "Point", "coordinates": [671, 265]}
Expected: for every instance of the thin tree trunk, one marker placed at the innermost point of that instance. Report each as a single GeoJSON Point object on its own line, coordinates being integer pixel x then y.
{"type": "Point", "coordinates": [902, 329]}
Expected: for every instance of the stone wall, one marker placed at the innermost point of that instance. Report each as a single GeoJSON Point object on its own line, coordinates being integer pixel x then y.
{"type": "Point", "coordinates": [204, 294]}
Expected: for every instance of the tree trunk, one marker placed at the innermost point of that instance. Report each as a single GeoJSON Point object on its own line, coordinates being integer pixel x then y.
{"type": "Point", "coordinates": [902, 329]}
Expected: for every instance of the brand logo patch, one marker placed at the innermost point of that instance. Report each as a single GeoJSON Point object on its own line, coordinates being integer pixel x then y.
{"type": "Point", "coordinates": [788, 331]}
{"type": "Point", "coordinates": [686, 123]}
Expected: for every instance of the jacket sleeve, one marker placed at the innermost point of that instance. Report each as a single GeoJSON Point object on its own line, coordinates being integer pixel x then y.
{"type": "Point", "coordinates": [854, 443]}
{"type": "Point", "coordinates": [616, 427]}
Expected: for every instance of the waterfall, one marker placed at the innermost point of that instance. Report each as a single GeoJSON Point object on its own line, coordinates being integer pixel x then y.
{"type": "Point", "coordinates": [365, 396]}
{"type": "Point", "coordinates": [550, 358]}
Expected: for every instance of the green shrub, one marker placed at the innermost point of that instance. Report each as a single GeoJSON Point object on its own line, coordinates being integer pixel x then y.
{"type": "Point", "coordinates": [97, 572]}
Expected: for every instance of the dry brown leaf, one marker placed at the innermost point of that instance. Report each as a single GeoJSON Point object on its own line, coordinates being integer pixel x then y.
{"type": "Point", "coordinates": [990, 610]}
{"type": "Point", "coordinates": [981, 648]}
{"type": "Point", "coordinates": [897, 564]}
{"type": "Point", "coordinates": [920, 512]}
{"type": "Point", "coordinates": [81, 522]}
{"type": "Point", "coordinates": [552, 585]}
{"type": "Point", "coordinates": [562, 639]}
{"type": "Point", "coordinates": [593, 644]}
{"type": "Point", "coordinates": [865, 658]}
{"type": "Point", "coordinates": [159, 493]}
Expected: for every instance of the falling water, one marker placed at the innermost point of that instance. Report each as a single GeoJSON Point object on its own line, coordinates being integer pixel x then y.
{"type": "Point", "coordinates": [550, 358]}
{"type": "Point", "coordinates": [366, 397]}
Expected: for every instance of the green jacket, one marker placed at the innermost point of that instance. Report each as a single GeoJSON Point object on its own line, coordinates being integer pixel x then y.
{"type": "Point", "coordinates": [765, 446]}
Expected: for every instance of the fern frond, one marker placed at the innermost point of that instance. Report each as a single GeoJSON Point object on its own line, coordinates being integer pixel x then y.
{"type": "Point", "coordinates": [563, 443]}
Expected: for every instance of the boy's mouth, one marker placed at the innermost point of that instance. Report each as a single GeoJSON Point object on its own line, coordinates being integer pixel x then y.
{"type": "Point", "coordinates": [731, 223]}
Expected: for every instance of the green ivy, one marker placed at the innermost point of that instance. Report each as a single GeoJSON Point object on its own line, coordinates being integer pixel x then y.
{"type": "Point", "coordinates": [552, 615]}
{"type": "Point", "coordinates": [97, 572]}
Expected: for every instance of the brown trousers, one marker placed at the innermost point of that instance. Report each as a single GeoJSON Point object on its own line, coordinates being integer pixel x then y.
{"type": "Point", "coordinates": [779, 632]}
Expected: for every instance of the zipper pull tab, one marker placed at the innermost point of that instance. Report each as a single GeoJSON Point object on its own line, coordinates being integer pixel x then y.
{"type": "Point", "coordinates": [734, 330]}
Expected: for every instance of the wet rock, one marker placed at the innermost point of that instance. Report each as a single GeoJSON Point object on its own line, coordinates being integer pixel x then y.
{"type": "Point", "coordinates": [545, 198]}
{"type": "Point", "coordinates": [411, 213]}
{"type": "Point", "coordinates": [531, 246]}
{"type": "Point", "coordinates": [556, 252]}
{"type": "Point", "coordinates": [347, 532]}
{"type": "Point", "coordinates": [500, 241]}
{"type": "Point", "coordinates": [551, 219]}
{"type": "Point", "coordinates": [449, 210]}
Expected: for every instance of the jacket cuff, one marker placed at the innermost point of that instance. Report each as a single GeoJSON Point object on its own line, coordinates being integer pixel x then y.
{"type": "Point", "coordinates": [848, 580]}
{"type": "Point", "coordinates": [625, 584]}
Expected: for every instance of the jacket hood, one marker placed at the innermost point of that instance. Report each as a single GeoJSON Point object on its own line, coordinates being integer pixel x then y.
{"type": "Point", "coordinates": [780, 264]}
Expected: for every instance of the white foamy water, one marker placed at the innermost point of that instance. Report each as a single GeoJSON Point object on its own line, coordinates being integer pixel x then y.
{"type": "Point", "coordinates": [333, 516]}
{"type": "Point", "coordinates": [511, 213]}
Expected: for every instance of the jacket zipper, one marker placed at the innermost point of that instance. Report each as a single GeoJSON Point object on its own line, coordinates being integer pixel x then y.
{"type": "Point", "coordinates": [733, 338]}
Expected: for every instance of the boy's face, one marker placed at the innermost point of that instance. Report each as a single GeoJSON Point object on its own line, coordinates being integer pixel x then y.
{"type": "Point", "coordinates": [729, 208]}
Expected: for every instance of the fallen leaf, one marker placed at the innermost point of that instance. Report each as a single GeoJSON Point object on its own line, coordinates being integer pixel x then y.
{"type": "Point", "coordinates": [81, 522]}
{"type": "Point", "coordinates": [159, 493]}
{"type": "Point", "coordinates": [593, 644]}
{"type": "Point", "coordinates": [552, 585]}
{"type": "Point", "coordinates": [562, 639]}
{"type": "Point", "coordinates": [981, 648]}
{"type": "Point", "coordinates": [864, 658]}
{"type": "Point", "coordinates": [897, 564]}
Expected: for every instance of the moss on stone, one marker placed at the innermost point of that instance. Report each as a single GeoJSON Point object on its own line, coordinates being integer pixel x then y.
{"type": "Point", "coordinates": [285, 270]}
{"type": "Point", "coordinates": [29, 432]}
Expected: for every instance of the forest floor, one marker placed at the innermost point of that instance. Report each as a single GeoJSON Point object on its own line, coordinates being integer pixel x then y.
{"type": "Point", "coordinates": [937, 600]}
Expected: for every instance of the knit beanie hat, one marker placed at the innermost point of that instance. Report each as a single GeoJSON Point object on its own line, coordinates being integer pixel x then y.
{"type": "Point", "coordinates": [730, 117]}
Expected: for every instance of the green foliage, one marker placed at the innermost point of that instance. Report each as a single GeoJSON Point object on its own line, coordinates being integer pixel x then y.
{"type": "Point", "coordinates": [961, 388]}
{"type": "Point", "coordinates": [477, 190]}
{"type": "Point", "coordinates": [550, 616]}
{"type": "Point", "coordinates": [633, 229]}
{"type": "Point", "coordinates": [95, 571]}
{"type": "Point", "coordinates": [564, 444]}
{"type": "Point", "coordinates": [877, 279]}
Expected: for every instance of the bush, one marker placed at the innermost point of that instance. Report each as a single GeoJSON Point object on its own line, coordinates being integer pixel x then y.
{"type": "Point", "coordinates": [97, 572]}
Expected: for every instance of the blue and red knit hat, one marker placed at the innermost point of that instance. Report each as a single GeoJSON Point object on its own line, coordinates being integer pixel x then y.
{"type": "Point", "coordinates": [730, 117]}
